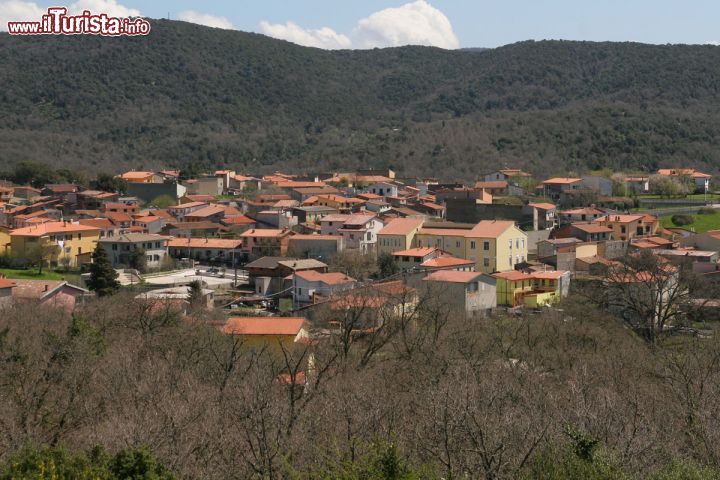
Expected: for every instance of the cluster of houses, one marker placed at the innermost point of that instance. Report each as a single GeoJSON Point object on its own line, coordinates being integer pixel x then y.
{"type": "Point", "coordinates": [506, 241]}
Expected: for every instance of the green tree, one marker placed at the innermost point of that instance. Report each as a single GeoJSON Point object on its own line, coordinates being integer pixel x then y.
{"type": "Point", "coordinates": [103, 278]}
{"type": "Point", "coordinates": [163, 201]}
{"type": "Point", "coordinates": [387, 266]}
{"type": "Point", "coordinates": [138, 260]}
{"type": "Point", "coordinates": [109, 183]}
{"type": "Point", "coordinates": [195, 296]}
{"type": "Point", "coordinates": [39, 254]}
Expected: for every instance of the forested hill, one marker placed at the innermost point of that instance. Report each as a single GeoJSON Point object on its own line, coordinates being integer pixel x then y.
{"type": "Point", "coordinates": [191, 94]}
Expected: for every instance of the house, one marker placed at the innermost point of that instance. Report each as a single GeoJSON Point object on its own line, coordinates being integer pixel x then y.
{"type": "Point", "coordinates": [121, 250]}
{"type": "Point", "coordinates": [181, 294]}
{"type": "Point", "coordinates": [591, 231]}
{"type": "Point", "coordinates": [398, 234]}
{"type": "Point", "coordinates": [309, 284]}
{"type": "Point", "coordinates": [498, 188]}
{"type": "Point", "coordinates": [412, 258]}
{"type": "Point", "coordinates": [194, 229]}
{"type": "Point", "coordinates": [341, 204]}
{"type": "Point", "coordinates": [128, 208]}
{"type": "Point", "coordinates": [216, 250]}
{"type": "Point", "coordinates": [554, 187]}
{"type": "Point", "coordinates": [141, 177]}
{"type": "Point", "coordinates": [466, 292]}
{"type": "Point", "coordinates": [700, 179]}
{"type": "Point", "coordinates": [181, 211]}
{"type": "Point", "coordinates": [74, 242]}
{"type": "Point", "coordinates": [709, 240]}
{"type": "Point", "coordinates": [261, 242]}
{"type": "Point", "coordinates": [359, 232]}
{"type": "Point", "coordinates": [626, 227]}
{"type": "Point", "coordinates": [276, 333]}
{"type": "Point", "coordinates": [26, 193]}
{"type": "Point", "coordinates": [54, 293]}
{"type": "Point", "coordinates": [602, 185]}
{"type": "Point", "coordinates": [584, 214]}
{"type": "Point", "coordinates": [532, 290]}
{"type": "Point", "coordinates": [511, 175]}
{"type": "Point", "coordinates": [6, 287]}
{"type": "Point", "coordinates": [494, 245]}
{"type": "Point", "coordinates": [383, 189]}
{"type": "Point", "coordinates": [210, 185]}
{"type": "Point", "coordinates": [546, 216]}
{"type": "Point", "coordinates": [242, 182]}
{"type": "Point", "coordinates": [211, 213]}
{"type": "Point", "coordinates": [315, 246]}
{"type": "Point", "coordinates": [636, 185]}
{"type": "Point", "coordinates": [268, 274]}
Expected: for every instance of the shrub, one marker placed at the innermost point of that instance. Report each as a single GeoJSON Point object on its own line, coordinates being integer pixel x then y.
{"type": "Point", "coordinates": [682, 220]}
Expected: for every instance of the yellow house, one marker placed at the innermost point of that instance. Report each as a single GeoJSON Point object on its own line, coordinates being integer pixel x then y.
{"type": "Point", "coordinates": [73, 242]}
{"type": "Point", "coordinates": [274, 333]}
{"type": "Point", "coordinates": [4, 240]}
{"type": "Point", "coordinates": [398, 235]}
{"type": "Point", "coordinates": [531, 289]}
{"type": "Point", "coordinates": [494, 245]}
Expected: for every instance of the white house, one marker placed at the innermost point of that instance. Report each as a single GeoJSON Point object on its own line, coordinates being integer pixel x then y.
{"type": "Point", "coordinates": [308, 284]}
{"type": "Point", "coordinates": [121, 248]}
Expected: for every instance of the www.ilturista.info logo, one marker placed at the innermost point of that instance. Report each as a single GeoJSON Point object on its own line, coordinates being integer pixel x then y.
{"type": "Point", "coordinates": [58, 22]}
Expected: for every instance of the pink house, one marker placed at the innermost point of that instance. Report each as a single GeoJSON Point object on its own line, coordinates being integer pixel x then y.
{"type": "Point", "coordinates": [55, 293]}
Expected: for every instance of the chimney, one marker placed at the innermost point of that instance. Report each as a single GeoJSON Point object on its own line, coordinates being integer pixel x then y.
{"type": "Point", "coordinates": [46, 288]}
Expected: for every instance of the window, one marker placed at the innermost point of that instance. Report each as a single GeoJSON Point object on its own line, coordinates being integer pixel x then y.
{"type": "Point", "coordinates": [517, 243]}
{"type": "Point", "coordinates": [114, 246]}
{"type": "Point", "coordinates": [622, 228]}
{"type": "Point", "coordinates": [522, 243]}
{"type": "Point", "coordinates": [486, 245]}
{"type": "Point", "coordinates": [472, 244]}
{"type": "Point", "coordinates": [486, 262]}
{"type": "Point", "coordinates": [510, 260]}
{"type": "Point", "coordinates": [149, 258]}
{"type": "Point", "coordinates": [457, 244]}
{"type": "Point", "coordinates": [510, 244]}
{"type": "Point", "coordinates": [79, 236]}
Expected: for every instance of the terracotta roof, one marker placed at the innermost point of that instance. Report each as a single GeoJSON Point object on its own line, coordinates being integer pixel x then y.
{"type": "Point", "coordinates": [401, 226]}
{"type": "Point", "coordinates": [187, 205]}
{"type": "Point", "coordinates": [443, 262]}
{"type": "Point", "coordinates": [543, 206]}
{"type": "Point", "coordinates": [561, 181]}
{"type": "Point", "coordinates": [288, 326]}
{"type": "Point", "coordinates": [38, 289]}
{"type": "Point", "coordinates": [101, 223]}
{"type": "Point", "coordinates": [206, 212]}
{"type": "Point", "coordinates": [592, 228]}
{"type": "Point", "coordinates": [237, 220]}
{"type": "Point", "coordinates": [612, 218]}
{"type": "Point", "coordinates": [415, 252]}
{"type": "Point", "coordinates": [265, 232]}
{"type": "Point", "coordinates": [118, 217]}
{"type": "Point", "coordinates": [299, 236]}
{"type": "Point", "coordinates": [583, 211]}
{"type": "Point", "coordinates": [483, 229]}
{"type": "Point", "coordinates": [136, 175]}
{"type": "Point", "coordinates": [49, 228]}
{"type": "Point", "coordinates": [217, 243]}
{"type": "Point", "coordinates": [5, 283]}
{"type": "Point", "coordinates": [673, 172]}
{"type": "Point", "coordinates": [333, 278]}
{"type": "Point", "coordinates": [452, 276]}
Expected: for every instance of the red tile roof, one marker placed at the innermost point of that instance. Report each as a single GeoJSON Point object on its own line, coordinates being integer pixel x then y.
{"type": "Point", "coordinates": [332, 278]}
{"type": "Point", "coordinates": [288, 326]}
{"type": "Point", "coordinates": [49, 228]}
{"type": "Point", "coordinates": [452, 276]}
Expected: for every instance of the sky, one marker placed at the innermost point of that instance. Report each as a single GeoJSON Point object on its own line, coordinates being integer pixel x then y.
{"type": "Point", "coordinates": [443, 23]}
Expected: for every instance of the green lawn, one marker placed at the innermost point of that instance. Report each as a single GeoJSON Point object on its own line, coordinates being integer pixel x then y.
{"type": "Point", "coordinates": [32, 274]}
{"type": "Point", "coordinates": [694, 196]}
{"type": "Point", "coordinates": [702, 223]}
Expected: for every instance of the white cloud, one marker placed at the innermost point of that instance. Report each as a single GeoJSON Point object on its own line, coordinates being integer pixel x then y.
{"type": "Point", "coordinates": [205, 19]}
{"type": "Point", "coordinates": [17, 11]}
{"type": "Point", "coordinates": [415, 23]}
{"type": "Point", "coordinates": [713, 42]}
{"type": "Point", "coordinates": [324, 37]}
{"type": "Point", "coordinates": [109, 7]}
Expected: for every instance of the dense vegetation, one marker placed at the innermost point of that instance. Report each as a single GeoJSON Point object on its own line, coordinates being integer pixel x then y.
{"type": "Point", "coordinates": [560, 395]}
{"type": "Point", "coordinates": [191, 95]}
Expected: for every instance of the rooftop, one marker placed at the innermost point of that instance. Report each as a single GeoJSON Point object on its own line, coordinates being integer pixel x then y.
{"type": "Point", "coordinates": [289, 326]}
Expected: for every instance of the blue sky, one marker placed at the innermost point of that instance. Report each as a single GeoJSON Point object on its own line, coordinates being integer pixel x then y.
{"type": "Point", "coordinates": [445, 23]}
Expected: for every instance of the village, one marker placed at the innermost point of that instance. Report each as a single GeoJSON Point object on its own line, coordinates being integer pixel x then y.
{"type": "Point", "coordinates": [284, 258]}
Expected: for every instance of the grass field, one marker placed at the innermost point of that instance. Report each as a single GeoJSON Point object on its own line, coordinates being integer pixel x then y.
{"type": "Point", "coordinates": [702, 223]}
{"type": "Point", "coordinates": [32, 274]}
{"type": "Point", "coordinates": [694, 196]}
